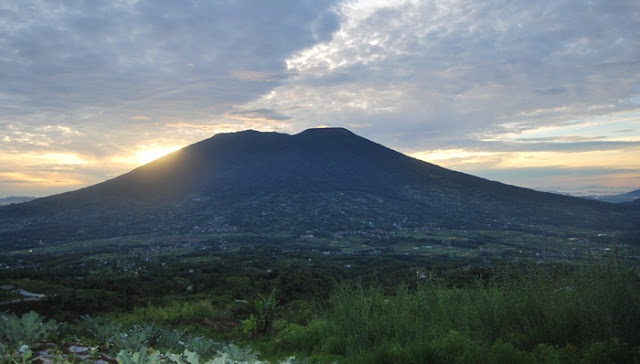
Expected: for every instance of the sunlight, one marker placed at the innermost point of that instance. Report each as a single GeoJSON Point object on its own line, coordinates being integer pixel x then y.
{"type": "Point", "coordinates": [147, 155]}
{"type": "Point", "coordinates": [62, 158]}
{"type": "Point", "coordinates": [20, 178]}
{"type": "Point", "coordinates": [625, 159]}
{"type": "Point", "coordinates": [455, 157]}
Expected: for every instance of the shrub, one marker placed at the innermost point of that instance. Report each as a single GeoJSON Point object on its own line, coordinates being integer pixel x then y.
{"type": "Point", "coordinates": [502, 352]}
{"type": "Point", "coordinates": [303, 339]}
{"type": "Point", "coordinates": [610, 351]}
{"type": "Point", "coordinates": [455, 347]}
{"type": "Point", "coordinates": [265, 312]}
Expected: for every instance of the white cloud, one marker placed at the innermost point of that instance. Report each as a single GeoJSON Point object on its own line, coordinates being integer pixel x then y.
{"type": "Point", "coordinates": [471, 64]}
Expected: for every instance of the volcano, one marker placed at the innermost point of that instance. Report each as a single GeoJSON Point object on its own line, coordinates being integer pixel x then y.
{"type": "Point", "coordinates": [327, 179]}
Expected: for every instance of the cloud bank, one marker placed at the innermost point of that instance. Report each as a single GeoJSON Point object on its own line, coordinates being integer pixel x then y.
{"type": "Point", "coordinates": [494, 88]}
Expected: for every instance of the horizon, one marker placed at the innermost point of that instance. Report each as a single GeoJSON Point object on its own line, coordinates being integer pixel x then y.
{"type": "Point", "coordinates": [579, 194]}
{"type": "Point", "coordinates": [533, 95]}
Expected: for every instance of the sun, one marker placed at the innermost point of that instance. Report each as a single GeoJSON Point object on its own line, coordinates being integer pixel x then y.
{"type": "Point", "coordinates": [149, 154]}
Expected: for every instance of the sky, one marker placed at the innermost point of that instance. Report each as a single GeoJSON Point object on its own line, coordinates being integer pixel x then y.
{"type": "Point", "coordinates": [542, 94]}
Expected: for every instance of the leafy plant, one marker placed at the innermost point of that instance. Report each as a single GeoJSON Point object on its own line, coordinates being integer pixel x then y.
{"type": "Point", "coordinates": [262, 321]}
{"type": "Point", "coordinates": [99, 328]}
{"type": "Point", "coordinates": [22, 355]}
{"type": "Point", "coordinates": [133, 340]}
{"type": "Point", "coordinates": [188, 357]}
{"type": "Point", "coordinates": [168, 339]}
{"type": "Point", "coordinates": [140, 357]}
{"type": "Point", "coordinates": [250, 325]}
{"type": "Point", "coordinates": [29, 329]}
{"type": "Point", "coordinates": [203, 346]}
{"type": "Point", "coordinates": [235, 354]}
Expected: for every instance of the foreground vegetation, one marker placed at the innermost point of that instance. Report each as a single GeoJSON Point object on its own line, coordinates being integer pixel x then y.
{"type": "Point", "coordinates": [517, 313]}
{"type": "Point", "coordinates": [530, 315]}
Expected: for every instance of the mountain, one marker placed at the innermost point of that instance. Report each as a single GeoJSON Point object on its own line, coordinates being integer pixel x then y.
{"type": "Point", "coordinates": [14, 199]}
{"type": "Point", "coordinates": [623, 197]}
{"type": "Point", "coordinates": [321, 179]}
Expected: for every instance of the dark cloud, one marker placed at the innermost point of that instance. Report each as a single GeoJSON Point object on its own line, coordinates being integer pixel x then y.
{"type": "Point", "coordinates": [160, 55]}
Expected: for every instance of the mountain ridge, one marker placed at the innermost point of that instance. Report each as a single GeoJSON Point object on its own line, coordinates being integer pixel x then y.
{"type": "Point", "coordinates": [15, 199]}
{"type": "Point", "coordinates": [327, 178]}
{"type": "Point", "coordinates": [626, 197]}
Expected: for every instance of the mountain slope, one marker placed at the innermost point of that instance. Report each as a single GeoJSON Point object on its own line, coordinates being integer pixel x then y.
{"type": "Point", "coordinates": [623, 197]}
{"type": "Point", "coordinates": [14, 199]}
{"type": "Point", "coordinates": [328, 179]}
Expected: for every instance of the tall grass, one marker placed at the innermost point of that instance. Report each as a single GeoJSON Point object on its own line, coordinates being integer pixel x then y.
{"type": "Point", "coordinates": [525, 309]}
{"type": "Point", "coordinates": [174, 313]}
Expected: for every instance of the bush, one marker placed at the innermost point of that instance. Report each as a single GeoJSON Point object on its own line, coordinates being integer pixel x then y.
{"type": "Point", "coordinates": [303, 339]}
{"type": "Point", "coordinates": [502, 352]}
{"type": "Point", "coordinates": [610, 351]}
{"type": "Point", "coordinates": [456, 348]}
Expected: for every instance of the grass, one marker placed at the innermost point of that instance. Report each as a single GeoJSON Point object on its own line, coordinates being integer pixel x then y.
{"type": "Point", "coordinates": [523, 314]}
{"type": "Point", "coordinates": [177, 312]}
{"type": "Point", "coordinates": [527, 315]}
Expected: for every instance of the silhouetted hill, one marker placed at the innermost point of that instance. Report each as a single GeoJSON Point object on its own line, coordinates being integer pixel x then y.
{"type": "Point", "coordinates": [14, 199]}
{"type": "Point", "coordinates": [327, 179]}
{"type": "Point", "coordinates": [623, 197]}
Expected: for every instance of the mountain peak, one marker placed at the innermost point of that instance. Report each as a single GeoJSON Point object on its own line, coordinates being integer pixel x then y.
{"type": "Point", "coordinates": [326, 132]}
{"type": "Point", "coordinates": [322, 178]}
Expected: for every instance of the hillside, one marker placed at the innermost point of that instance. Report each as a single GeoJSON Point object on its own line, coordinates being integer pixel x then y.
{"type": "Point", "coordinates": [14, 199]}
{"type": "Point", "coordinates": [619, 198]}
{"type": "Point", "coordinates": [321, 179]}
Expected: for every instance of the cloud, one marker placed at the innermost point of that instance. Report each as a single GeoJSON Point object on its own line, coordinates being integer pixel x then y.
{"type": "Point", "coordinates": [257, 115]}
{"type": "Point", "coordinates": [465, 66]}
{"type": "Point", "coordinates": [554, 170]}
{"type": "Point", "coordinates": [576, 181]}
{"type": "Point", "coordinates": [96, 63]}
{"type": "Point", "coordinates": [99, 78]}
{"type": "Point", "coordinates": [140, 117]}
{"type": "Point", "coordinates": [256, 76]}
{"type": "Point", "coordinates": [91, 67]}
{"type": "Point", "coordinates": [204, 127]}
{"type": "Point", "coordinates": [551, 91]}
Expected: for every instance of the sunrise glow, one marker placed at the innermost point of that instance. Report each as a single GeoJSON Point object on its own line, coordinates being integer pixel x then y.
{"type": "Point", "coordinates": [144, 156]}
{"type": "Point", "coordinates": [509, 90]}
